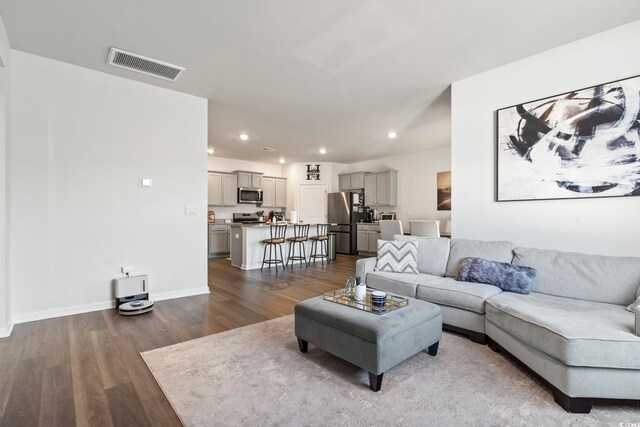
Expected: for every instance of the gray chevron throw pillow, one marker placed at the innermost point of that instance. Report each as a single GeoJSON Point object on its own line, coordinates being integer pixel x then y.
{"type": "Point", "coordinates": [397, 257]}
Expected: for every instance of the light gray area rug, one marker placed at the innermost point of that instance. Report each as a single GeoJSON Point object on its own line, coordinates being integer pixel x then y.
{"type": "Point", "coordinates": [257, 376]}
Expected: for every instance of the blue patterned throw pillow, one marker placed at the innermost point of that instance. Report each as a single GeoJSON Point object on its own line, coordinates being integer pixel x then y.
{"type": "Point", "coordinates": [508, 277]}
{"type": "Point", "coordinates": [397, 257]}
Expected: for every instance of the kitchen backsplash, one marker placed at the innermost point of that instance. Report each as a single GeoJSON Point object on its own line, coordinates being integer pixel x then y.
{"type": "Point", "coordinates": [226, 212]}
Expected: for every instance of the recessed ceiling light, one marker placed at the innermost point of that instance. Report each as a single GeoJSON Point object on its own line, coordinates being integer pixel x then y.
{"type": "Point", "coordinates": [323, 151]}
{"type": "Point", "coordinates": [392, 135]}
{"type": "Point", "coordinates": [244, 137]}
{"type": "Point", "coordinates": [210, 151]}
{"type": "Point", "coordinates": [281, 160]}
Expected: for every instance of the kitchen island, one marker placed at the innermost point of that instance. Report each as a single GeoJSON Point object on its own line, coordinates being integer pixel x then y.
{"type": "Point", "coordinates": [247, 248]}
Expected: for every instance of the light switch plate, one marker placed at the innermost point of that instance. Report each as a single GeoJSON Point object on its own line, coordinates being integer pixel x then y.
{"type": "Point", "coordinates": [190, 210]}
{"type": "Point", "coordinates": [146, 182]}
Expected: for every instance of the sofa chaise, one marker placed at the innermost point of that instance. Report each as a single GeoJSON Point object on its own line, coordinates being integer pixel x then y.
{"type": "Point", "coordinates": [572, 330]}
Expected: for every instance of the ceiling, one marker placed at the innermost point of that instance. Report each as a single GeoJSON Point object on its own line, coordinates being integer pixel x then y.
{"type": "Point", "coordinates": [297, 75]}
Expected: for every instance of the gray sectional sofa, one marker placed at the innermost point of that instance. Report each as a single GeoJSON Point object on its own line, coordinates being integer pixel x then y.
{"type": "Point", "coordinates": [572, 330]}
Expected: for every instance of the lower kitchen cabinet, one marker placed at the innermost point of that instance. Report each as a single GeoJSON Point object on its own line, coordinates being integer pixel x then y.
{"type": "Point", "coordinates": [218, 240]}
{"type": "Point", "coordinates": [368, 235]}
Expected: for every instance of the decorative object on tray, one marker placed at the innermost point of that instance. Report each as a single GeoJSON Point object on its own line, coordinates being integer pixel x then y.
{"type": "Point", "coordinates": [583, 143]}
{"type": "Point", "coordinates": [350, 288]}
{"type": "Point", "coordinates": [361, 291]}
{"type": "Point", "coordinates": [392, 302]}
{"type": "Point", "coordinates": [378, 298]}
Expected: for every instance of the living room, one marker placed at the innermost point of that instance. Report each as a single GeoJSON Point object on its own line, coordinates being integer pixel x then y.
{"type": "Point", "coordinates": [104, 176]}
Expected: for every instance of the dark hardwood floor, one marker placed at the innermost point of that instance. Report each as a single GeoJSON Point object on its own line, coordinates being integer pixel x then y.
{"type": "Point", "coordinates": [86, 369]}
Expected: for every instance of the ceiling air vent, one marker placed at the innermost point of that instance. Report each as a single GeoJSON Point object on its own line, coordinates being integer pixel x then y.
{"type": "Point", "coordinates": [142, 64]}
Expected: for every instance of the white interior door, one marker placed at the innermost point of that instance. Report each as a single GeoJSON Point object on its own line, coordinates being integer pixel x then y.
{"type": "Point", "coordinates": [312, 206]}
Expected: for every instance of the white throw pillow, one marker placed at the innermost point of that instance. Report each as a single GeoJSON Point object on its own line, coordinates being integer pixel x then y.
{"type": "Point", "coordinates": [634, 305]}
{"type": "Point", "coordinates": [397, 257]}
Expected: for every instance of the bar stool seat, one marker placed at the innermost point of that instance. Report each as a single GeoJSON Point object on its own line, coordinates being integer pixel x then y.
{"type": "Point", "coordinates": [273, 241]}
{"type": "Point", "coordinates": [278, 233]}
{"type": "Point", "coordinates": [300, 235]}
{"type": "Point", "coordinates": [320, 239]}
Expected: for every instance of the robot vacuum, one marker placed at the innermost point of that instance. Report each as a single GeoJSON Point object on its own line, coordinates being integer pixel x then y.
{"type": "Point", "coordinates": [135, 307]}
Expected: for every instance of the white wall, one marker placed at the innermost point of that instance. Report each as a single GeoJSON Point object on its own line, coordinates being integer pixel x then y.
{"type": "Point", "coordinates": [296, 174]}
{"type": "Point", "coordinates": [607, 225]}
{"type": "Point", "coordinates": [5, 288]}
{"type": "Point", "coordinates": [221, 164]}
{"type": "Point", "coordinates": [80, 142]}
{"type": "Point", "coordinates": [417, 179]}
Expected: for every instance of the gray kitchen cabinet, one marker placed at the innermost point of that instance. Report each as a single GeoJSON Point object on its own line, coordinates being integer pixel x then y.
{"type": "Point", "coordinates": [351, 181]}
{"type": "Point", "coordinates": [274, 192]}
{"type": "Point", "coordinates": [244, 179]}
{"type": "Point", "coordinates": [218, 239]}
{"type": "Point", "coordinates": [381, 188]}
{"type": "Point", "coordinates": [281, 193]}
{"type": "Point", "coordinates": [214, 189]}
{"type": "Point", "coordinates": [222, 189]}
{"type": "Point", "coordinates": [229, 189]}
{"type": "Point", "coordinates": [344, 182]}
{"type": "Point", "coordinates": [357, 181]}
{"type": "Point", "coordinates": [373, 240]}
{"type": "Point", "coordinates": [368, 235]}
{"type": "Point", "coordinates": [256, 180]}
{"type": "Point", "coordinates": [268, 192]}
{"type": "Point", "coordinates": [370, 190]}
{"type": "Point", "coordinates": [249, 179]}
{"type": "Point", "coordinates": [363, 240]}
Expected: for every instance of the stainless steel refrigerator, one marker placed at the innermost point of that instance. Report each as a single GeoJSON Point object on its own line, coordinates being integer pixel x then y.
{"type": "Point", "coordinates": [345, 210]}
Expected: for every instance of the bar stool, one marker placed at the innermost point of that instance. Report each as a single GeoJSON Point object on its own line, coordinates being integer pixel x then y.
{"type": "Point", "coordinates": [278, 233]}
{"type": "Point", "coordinates": [321, 237]}
{"type": "Point", "coordinates": [300, 235]}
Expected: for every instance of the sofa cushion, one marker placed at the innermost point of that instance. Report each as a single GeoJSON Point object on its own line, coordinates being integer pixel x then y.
{"type": "Point", "coordinates": [450, 292]}
{"type": "Point", "coordinates": [397, 283]}
{"type": "Point", "coordinates": [433, 253]}
{"type": "Point", "coordinates": [397, 257]}
{"type": "Point", "coordinates": [576, 332]}
{"type": "Point", "coordinates": [463, 248]}
{"type": "Point", "coordinates": [506, 276]}
{"type": "Point", "coordinates": [612, 280]}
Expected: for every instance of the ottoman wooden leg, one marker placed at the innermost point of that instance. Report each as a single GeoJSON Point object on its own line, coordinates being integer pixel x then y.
{"type": "Point", "coordinates": [433, 349]}
{"type": "Point", "coordinates": [303, 345]}
{"type": "Point", "coordinates": [375, 381]}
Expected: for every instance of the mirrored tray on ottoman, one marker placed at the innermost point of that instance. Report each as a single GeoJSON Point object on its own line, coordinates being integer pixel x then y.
{"type": "Point", "coordinates": [393, 302]}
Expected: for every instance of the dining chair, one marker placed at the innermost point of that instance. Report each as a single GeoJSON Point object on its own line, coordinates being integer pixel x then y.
{"type": "Point", "coordinates": [425, 227]}
{"type": "Point", "coordinates": [389, 228]}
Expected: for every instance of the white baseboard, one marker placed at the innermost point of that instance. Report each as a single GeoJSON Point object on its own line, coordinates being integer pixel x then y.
{"type": "Point", "coordinates": [65, 311]}
{"type": "Point", "coordinates": [179, 294]}
{"type": "Point", "coordinates": [78, 309]}
{"type": "Point", "coordinates": [5, 332]}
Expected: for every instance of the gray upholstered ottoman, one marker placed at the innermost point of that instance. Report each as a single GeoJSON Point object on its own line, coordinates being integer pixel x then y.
{"type": "Point", "coordinates": [373, 342]}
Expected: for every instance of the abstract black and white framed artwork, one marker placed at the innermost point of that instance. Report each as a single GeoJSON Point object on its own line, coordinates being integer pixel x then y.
{"type": "Point", "coordinates": [584, 143]}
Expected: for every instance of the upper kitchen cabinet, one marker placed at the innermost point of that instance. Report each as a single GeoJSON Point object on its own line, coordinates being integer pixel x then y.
{"type": "Point", "coordinates": [274, 192]}
{"type": "Point", "coordinates": [381, 188]}
{"type": "Point", "coordinates": [222, 189]}
{"type": "Point", "coordinates": [351, 181]}
{"type": "Point", "coordinates": [214, 189]}
{"type": "Point", "coordinates": [249, 179]}
{"type": "Point", "coordinates": [281, 193]}
{"type": "Point", "coordinates": [229, 189]}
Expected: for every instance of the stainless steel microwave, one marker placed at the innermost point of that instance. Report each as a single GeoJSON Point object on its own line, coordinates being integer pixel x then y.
{"type": "Point", "coordinates": [250, 195]}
